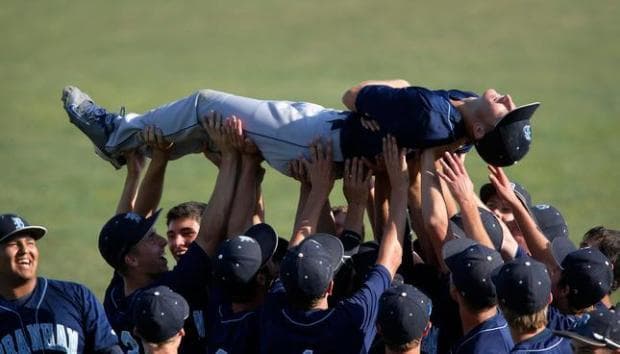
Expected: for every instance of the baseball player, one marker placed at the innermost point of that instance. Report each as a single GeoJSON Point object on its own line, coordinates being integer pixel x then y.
{"type": "Point", "coordinates": [296, 317]}
{"type": "Point", "coordinates": [283, 130]}
{"type": "Point", "coordinates": [524, 292]}
{"type": "Point", "coordinates": [159, 315]}
{"type": "Point", "coordinates": [40, 315]}
{"type": "Point", "coordinates": [183, 223]}
{"type": "Point", "coordinates": [403, 319]}
{"type": "Point", "coordinates": [471, 266]}
{"type": "Point", "coordinates": [129, 244]}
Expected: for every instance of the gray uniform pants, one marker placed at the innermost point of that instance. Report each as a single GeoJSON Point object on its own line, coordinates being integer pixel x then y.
{"type": "Point", "coordinates": [282, 130]}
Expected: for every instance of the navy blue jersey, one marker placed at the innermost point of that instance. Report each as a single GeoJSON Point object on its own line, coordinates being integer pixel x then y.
{"type": "Point", "coordinates": [491, 336]}
{"type": "Point", "coordinates": [544, 342]}
{"type": "Point", "coordinates": [231, 332]}
{"type": "Point", "coordinates": [189, 278]}
{"type": "Point", "coordinates": [419, 118]}
{"type": "Point", "coordinates": [558, 321]}
{"type": "Point", "coordinates": [57, 317]}
{"type": "Point", "coordinates": [349, 327]}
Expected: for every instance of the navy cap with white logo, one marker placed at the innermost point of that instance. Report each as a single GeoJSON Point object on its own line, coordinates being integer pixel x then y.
{"type": "Point", "coordinates": [510, 140]}
{"type": "Point", "coordinates": [122, 232]}
{"type": "Point", "coordinates": [159, 313]}
{"type": "Point", "coordinates": [404, 314]}
{"type": "Point", "coordinates": [239, 258]}
{"type": "Point", "coordinates": [586, 271]}
{"type": "Point", "coordinates": [597, 328]}
{"type": "Point", "coordinates": [523, 286]}
{"type": "Point", "coordinates": [491, 225]}
{"type": "Point", "coordinates": [308, 267]}
{"type": "Point", "coordinates": [471, 266]}
{"type": "Point", "coordinates": [550, 221]}
{"type": "Point", "coordinates": [13, 224]}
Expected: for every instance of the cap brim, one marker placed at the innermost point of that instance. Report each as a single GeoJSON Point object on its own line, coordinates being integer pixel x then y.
{"type": "Point", "coordinates": [333, 246]}
{"type": "Point", "coordinates": [456, 246]}
{"type": "Point", "coordinates": [561, 247]}
{"type": "Point", "coordinates": [520, 113]}
{"type": "Point", "coordinates": [34, 231]}
{"type": "Point", "coordinates": [267, 239]}
{"type": "Point", "coordinates": [583, 339]}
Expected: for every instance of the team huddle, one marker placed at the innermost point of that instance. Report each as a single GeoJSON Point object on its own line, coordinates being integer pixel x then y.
{"type": "Point", "coordinates": [442, 269]}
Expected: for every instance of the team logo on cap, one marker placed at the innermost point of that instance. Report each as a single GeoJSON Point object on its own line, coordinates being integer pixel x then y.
{"type": "Point", "coordinates": [133, 217]}
{"type": "Point", "coordinates": [527, 132]}
{"type": "Point", "coordinates": [19, 223]}
{"type": "Point", "coordinates": [542, 206]}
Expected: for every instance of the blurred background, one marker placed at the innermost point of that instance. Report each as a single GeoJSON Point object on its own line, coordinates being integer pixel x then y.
{"type": "Point", "coordinates": [141, 54]}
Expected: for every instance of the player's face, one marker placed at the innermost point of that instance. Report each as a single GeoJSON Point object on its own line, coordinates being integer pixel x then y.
{"type": "Point", "coordinates": [149, 254]}
{"type": "Point", "coordinates": [495, 106]}
{"type": "Point", "coordinates": [19, 258]}
{"type": "Point", "coordinates": [501, 209]}
{"type": "Point", "coordinates": [181, 233]}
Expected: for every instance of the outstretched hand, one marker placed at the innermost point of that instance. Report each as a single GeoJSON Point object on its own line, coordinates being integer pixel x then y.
{"type": "Point", "coordinates": [503, 186]}
{"type": "Point", "coordinates": [456, 177]}
{"type": "Point", "coordinates": [319, 167]}
{"type": "Point", "coordinates": [395, 163]}
{"type": "Point", "coordinates": [239, 140]}
{"type": "Point", "coordinates": [356, 182]}
{"type": "Point", "coordinates": [297, 170]}
{"type": "Point", "coordinates": [217, 129]}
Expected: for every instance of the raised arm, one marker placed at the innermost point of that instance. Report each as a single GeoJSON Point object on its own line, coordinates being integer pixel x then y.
{"type": "Point", "coordinates": [135, 164]}
{"type": "Point", "coordinates": [247, 189]}
{"type": "Point", "coordinates": [213, 224]}
{"type": "Point", "coordinates": [391, 248]}
{"type": "Point", "coordinates": [152, 184]}
{"type": "Point", "coordinates": [536, 240]}
{"type": "Point", "coordinates": [350, 96]}
{"type": "Point", "coordinates": [319, 170]}
{"type": "Point", "coordinates": [434, 212]}
{"type": "Point", "coordinates": [355, 187]}
{"type": "Point", "coordinates": [457, 179]}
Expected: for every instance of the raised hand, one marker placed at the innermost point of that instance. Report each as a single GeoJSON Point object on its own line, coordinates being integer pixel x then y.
{"type": "Point", "coordinates": [319, 167]}
{"type": "Point", "coordinates": [456, 177]}
{"type": "Point", "coordinates": [356, 182]}
{"type": "Point", "coordinates": [217, 129]}
{"type": "Point", "coordinates": [395, 163]}
{"type": "Point", "coordinates": [503, 186]}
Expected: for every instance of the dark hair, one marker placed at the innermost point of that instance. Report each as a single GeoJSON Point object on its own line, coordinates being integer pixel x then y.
{"type": "Point", "coordinates": [191, 209]}
{"type": "Point", "coordinates": [479, 303]}
{"type": "Point", "coordinates": [245, 292]}
{"type": "Point", "coordinates": [301, 301]}
{"type": "Point", "coordinates": [608, 242]}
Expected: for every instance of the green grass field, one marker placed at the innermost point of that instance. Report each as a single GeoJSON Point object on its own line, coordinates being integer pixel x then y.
{"type": "Point", "coordinates": [144, 53]}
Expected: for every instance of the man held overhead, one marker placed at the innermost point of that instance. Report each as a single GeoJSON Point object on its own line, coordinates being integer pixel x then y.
{"type": "Point", "coordinates": [283, 130]}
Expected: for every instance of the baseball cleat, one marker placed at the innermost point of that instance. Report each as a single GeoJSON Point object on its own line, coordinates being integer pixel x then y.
{"type": "Point", "coordinates": [94, 121]}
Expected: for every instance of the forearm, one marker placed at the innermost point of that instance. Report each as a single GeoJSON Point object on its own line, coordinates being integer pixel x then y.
{"type": "Point", "coordinates": [212, 226]}
{"type": "Point", "coordinates": [152, 185]}
{"type": "Point", "coordinates": [245, 197]}
{"type": "Point", "coordinates": [349, 97]}
{"type": "Point", "coordinates": [354, 220]}
{"type": "Point", "coordinates": [535, 239]}
{"type": "Point", "coordinates": [414, 197]}
{"type": "Point", "coordinates": [382, 205]}
{"type": "Point", "coordinates": [391, 249]}
{"type": "Point", "coordinates": [472, 222]}
{"type": "Point", "coordinates": [304, 192]}
{"type": "Point", "coordinates": [434, 211]}
{"type": "Point", "coordinates": [127, 200]}
{"type": "Point", "coordinates": [309, 216]}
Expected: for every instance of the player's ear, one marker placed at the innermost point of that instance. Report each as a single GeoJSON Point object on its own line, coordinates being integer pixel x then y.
{"type": "Point", "coordinates": [130, 260]}
{"type": "Point", "coordinates": [478, 130]}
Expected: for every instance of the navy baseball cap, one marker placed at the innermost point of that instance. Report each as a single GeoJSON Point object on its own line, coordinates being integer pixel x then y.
{"type": "Point", "coordinates": [510, 140]}
{"type": "Point", "coordinates": [404, 314]}
{"type": "Point", "coordinates": [491, 225]}
{"type": "Point", "coordinates": [550, 221]}
{"type": "Point", "coordinates": [523, 285]}
{"type": "Point", "coordinates": [13, 224]}
{"type": "Point", "coordinates": [122, 232]}
{"type": "Point", "coordinates": [598, 328]}
{"type": "Point", "coordinates": [159, 313]}
{"type": "Point", "coordinates": [309, 267]}
{"type": "Point", "coordinates": [586, 271]}
{"type": "Point", "coordinates": [239, 258]}
{"type": "Point", "coordinates": [487, 190]}
{"type": "Point", "coordinates": [471, 266]}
